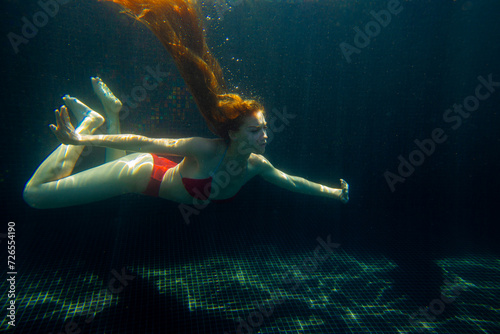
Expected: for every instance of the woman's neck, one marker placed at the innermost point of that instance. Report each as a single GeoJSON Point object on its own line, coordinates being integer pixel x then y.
{"type": "Point", "coordinates": [237, 154]}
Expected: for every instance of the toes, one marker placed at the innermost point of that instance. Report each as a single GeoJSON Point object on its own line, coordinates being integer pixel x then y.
{"type": "Point", "coordinates": [81, 111]}
{"type": "Point", "coordinates": [100, 87]}
{"type": "Point", "coordinates": [95, 82]}
{"type": "Point", "coordinates": [108, 99]}
{"type": "Point", "coordinates": [75, 105]}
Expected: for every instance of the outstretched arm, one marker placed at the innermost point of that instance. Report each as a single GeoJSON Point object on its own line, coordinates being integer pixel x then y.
{"type": "Point", "coordinates": [65, 132]}
{"type": "Point", "coordinates": [299, 184]}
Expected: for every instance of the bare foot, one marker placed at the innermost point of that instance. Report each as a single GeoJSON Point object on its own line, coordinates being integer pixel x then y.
{"type": "Point", "coordinates": [112, 105]}
{"type": "Point", "coordinates": [87, 118]}
{"type": "Point", "coordinates": [344, 196]}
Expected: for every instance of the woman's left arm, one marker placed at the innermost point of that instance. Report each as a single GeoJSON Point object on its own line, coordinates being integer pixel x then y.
{"type": "Point", "coordinates": [299, 184]}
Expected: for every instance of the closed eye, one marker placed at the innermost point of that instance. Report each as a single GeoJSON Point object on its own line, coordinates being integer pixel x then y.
{"type": "Point", "coordinates": [257, 129]}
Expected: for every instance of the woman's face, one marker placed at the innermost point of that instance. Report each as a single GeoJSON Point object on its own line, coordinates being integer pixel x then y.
{"type": "Point", "coordinates": [252, 135]}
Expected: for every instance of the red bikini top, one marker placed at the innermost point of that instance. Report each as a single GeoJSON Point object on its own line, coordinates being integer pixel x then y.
{"type": "Point", "coordinates": [201, 188]}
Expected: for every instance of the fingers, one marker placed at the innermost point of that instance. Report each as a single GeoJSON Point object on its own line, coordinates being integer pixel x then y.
{"type": "Point", "coordinates": [62, 119]}
{"type": "Point", "coordinates": [344, 197]}
{"type": "Point", "coordinates": [55, 131]}
{"type": "Point", "coordinates": [65, 115]}
{"type": "Point", "coordinates": [63, 129]}
{"type": "Point", "coordinates": [52, 128]}
{"type": "Point", "coordinates": [58, 118]}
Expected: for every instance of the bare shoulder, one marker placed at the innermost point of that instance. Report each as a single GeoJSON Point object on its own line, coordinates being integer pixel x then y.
{"type": "Point", "coordinates": [259, 163]}
{"type": "Point", "coordinates": [204, 147]}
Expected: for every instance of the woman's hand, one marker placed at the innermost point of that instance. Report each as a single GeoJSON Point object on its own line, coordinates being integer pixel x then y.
{"type": "Point", "coordinates": [344, 196]}
{"type": "Point", "coordinates": [64, 130]}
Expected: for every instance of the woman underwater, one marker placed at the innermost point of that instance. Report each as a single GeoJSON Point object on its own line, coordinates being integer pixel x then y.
{"type": "Point", "coordinates": [240, 125]}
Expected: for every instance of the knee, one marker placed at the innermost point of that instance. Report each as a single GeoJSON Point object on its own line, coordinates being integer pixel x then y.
{"type": "Point", "coordinates": [36, 197]}
{"type": "Point", "coordinates": [30, 196]}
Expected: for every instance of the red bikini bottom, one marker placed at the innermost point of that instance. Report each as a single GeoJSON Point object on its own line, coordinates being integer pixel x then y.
{"type": "Point", "coordinates": [160, 167]}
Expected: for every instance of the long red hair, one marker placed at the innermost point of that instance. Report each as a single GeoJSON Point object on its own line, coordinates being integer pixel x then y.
{"type": "Point", "coordinates": [177, 25]}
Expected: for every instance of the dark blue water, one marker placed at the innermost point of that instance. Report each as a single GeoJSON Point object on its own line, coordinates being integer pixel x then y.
{"type": "Point", "coordinates": [358, 107]}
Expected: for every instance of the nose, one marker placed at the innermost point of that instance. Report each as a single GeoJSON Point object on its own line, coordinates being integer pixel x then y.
{"type": "Point", "coordinates": [264, 134]}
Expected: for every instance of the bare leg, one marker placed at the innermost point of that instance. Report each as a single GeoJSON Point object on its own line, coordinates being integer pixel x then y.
{"type": "Point", "coordinates": [112, 107]}
{"type": "Point", "coordinates": [129, 174]}
{"type": "Point", "coordinates": [61, 161]}
{"type": "Point", "coordinates": [52, 185]}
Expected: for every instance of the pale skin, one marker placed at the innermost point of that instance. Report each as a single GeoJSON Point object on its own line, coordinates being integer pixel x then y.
{"type": "Point", "coordinates": [53, 185]}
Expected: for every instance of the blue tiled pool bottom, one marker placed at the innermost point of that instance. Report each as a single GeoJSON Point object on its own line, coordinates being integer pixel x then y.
{"type": "Point", "coordinates": [259, 291]}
